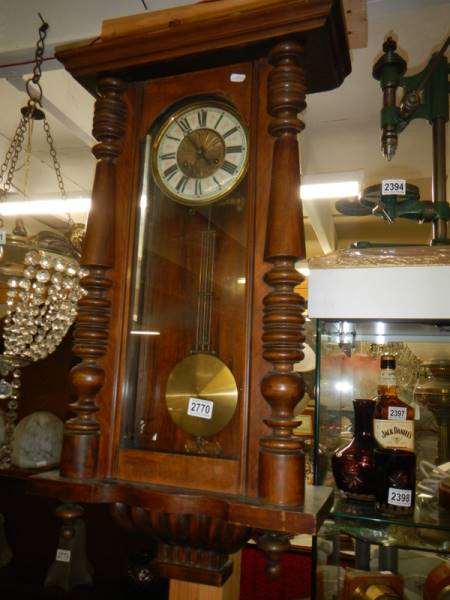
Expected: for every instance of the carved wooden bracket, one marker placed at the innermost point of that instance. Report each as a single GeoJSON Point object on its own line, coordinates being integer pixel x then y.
{"type": "Point", "coordinates": [192, 546]}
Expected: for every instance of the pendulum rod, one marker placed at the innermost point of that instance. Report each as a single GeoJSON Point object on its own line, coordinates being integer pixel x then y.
{"type": "Point", "coordinates": [205, 293]}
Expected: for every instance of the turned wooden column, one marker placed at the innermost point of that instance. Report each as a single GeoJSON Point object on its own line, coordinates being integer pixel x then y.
{"type": "Point", "coordinates": [281, 460]}
{"type": "Point", "coordinates": [80, 448]}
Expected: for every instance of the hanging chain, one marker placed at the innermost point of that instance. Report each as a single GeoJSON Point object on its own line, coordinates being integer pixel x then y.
{"type": "Point", "coordinates": [28, 159]}
{"type": "Point", "coordinates": [37, 69]}
{"type": "Point", "coordinates": [56, 164]}
{"type": "Point", "coordinates": [12, 155]}
{"type": "Point", "coordinates": [31, 112]}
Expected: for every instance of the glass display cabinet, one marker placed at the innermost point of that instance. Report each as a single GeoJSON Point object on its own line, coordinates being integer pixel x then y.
{"type": "Point", "coordinates": [361, 550]}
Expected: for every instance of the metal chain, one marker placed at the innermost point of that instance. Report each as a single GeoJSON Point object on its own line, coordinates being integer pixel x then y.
{"type": "Point", "coordinates": [28, 157]}
{"type": "Point", "coordinates": [12, 155]}
{"type": "Point", "coordinates": [38, 57]}
{"type": "Point", "coordinates": [26, 122]}
{"type": "Point", "coordinates": [56, 164]}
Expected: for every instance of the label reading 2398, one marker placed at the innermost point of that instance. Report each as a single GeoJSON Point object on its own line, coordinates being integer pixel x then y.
{"type": "Point", "coordinates": [393, 186]}
{"type": "Point", "coordinates": [197, 407]}
{"type": "Point", "coordinates": [397, 497]}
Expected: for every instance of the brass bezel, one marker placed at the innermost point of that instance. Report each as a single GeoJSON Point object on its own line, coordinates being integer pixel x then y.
{"type": "Point", "coordinates": [165, 126]}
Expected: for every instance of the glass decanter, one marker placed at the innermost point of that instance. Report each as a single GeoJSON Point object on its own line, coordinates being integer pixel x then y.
{"type": "Point", "coordinates": [353, 464]}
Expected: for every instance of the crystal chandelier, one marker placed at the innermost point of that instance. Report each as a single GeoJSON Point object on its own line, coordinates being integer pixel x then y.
{"type": "Point", "coordinates": [42, 299]}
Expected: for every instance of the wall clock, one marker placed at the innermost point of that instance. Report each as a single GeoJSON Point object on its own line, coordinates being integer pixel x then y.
{"type": "Point", "coordinates": [201, 153]}
{"type": "Point", "coordinates": [191, 326]}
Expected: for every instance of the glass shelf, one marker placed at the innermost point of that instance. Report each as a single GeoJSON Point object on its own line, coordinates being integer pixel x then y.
{"type": "Point", "coordinates": [428, 529]}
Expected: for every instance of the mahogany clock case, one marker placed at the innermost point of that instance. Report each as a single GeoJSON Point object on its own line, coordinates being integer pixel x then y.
{"type": "Point", "coordinates": [159, 253]}
{"type": "Point", "coordinates": [163, 296]}
{"type": "Point", "coordinates": [123, 429]}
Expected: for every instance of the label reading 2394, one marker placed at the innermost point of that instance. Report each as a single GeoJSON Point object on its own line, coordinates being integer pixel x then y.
{"type": "Point", "coordinates": [393, 186]}
{"type": "Point", "coordinates": [197, 407]}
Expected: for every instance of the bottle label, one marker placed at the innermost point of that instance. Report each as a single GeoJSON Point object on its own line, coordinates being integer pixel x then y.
{"type": "Point", "coordinates": [397, 413]}
{"type": "Point", "coordinates": [387, 377]}
{"type": "Point", "coordinates": [389, 434]}
{"type": "Point", "coordinates": [397, 497]}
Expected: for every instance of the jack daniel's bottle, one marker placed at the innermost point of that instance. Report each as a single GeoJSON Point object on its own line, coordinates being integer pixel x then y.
{"type": "Point", "coordinates": [395, 461]}
{"type": "Point", "coordinates": [393, 424]}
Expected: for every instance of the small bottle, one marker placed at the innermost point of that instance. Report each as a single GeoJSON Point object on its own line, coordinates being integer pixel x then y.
{"type": "Point", "coordinates": [393, 424]}
{"type": "Point", "coordinates": [395, 460]}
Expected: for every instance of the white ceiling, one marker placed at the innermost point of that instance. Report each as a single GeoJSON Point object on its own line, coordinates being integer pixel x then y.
{"type": "Point", "coordinates": [342, 126]}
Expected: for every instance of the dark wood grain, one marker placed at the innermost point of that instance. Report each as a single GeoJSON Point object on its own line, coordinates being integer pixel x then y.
{"type": "Point", "coordinates": [80, 447]}
{"type": "Point", "coordinates": [168, 294]}
{"type": "Point", "coordinates": [191, 545]}
{"type": "Point", "coordinates": [241, 510]}
{"type": "Point", "coordinates": [282, 466]}
{"type": "Point", "coordinates": [244, 34]}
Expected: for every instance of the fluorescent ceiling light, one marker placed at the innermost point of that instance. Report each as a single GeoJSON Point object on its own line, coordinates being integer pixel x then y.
{"type": "Point", "coordinates": [331, 185]}
{"type": "Point", "coordinates": [338, 189]}
{"type": "Point", "coordinates": [45, 207]}
{"type": "Point", "coordinates": [141, 332]}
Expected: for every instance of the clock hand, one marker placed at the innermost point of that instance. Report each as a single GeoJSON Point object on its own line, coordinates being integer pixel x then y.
{"type": "Point", "coordinates": [199, 149]}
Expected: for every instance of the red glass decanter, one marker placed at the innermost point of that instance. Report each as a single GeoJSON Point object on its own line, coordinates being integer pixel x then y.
{"type": "Point", "coordinates": [353, 464]}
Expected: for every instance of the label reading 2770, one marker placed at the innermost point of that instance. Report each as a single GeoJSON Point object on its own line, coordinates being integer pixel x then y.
{"type": "Point", "coordinates": [393, 186]}
{"type": "Point", "coordinates": [398, 497]}
{"type": "Point", "coordinates": [197, 407]}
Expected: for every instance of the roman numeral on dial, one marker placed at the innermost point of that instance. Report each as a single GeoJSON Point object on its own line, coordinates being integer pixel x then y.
{"type": "Point", "coordinates": [229, 132]}
{"type": "Point", "coordinates": [229, 167]}
{"type": "Point", "coordinates": [170, 172]}
{"type": "Point", "coordinates": [202, 116]}
{"type": "Point", "coordinates": [181, 185]}
{"type": "Point", "coordinates": [218, 120]}
{"type": "Point", "coordinates": [168, 156]}
{"type": "Point", "coordinates": [233, 149]}
{"type": "Point", "coordinates": [184, 125]}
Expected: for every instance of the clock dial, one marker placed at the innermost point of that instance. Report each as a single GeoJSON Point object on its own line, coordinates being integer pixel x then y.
{"type": "Point", "coordinates": [200, 154]}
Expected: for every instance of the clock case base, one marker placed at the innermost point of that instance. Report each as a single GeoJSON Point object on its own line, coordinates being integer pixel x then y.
{"type": "Point", "coordinates": [197, 528]}
{"type": "Point", "coordinates": [195, 531]}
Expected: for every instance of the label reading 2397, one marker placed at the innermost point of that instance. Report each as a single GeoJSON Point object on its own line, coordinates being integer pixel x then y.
{"type": "Point", "coordinates": [197, 407]}
{"type": "Point", "coordinates": [398, 413]}
{"type": "Point", "coordinates": [397, 497]}
{"type": "Point", "coordinates": [393, 186]}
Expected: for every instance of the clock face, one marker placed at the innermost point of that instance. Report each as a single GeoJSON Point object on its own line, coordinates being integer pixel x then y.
{"type": "Point", "coordinates": [200, 154]}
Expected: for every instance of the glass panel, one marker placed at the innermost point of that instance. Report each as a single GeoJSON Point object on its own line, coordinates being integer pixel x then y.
{"type": "Point", "coordinates": [344, 552]}
{"type": "Point", "coordinates": [186, 342]}
{"type": "Point", "coordinates": [349, 367]}
{"type": "Point", "coordinates": [349, 355]}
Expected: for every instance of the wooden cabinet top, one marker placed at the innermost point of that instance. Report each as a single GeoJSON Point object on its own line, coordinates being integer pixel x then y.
{"type": "Point", "coordinates": [208, 34]}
